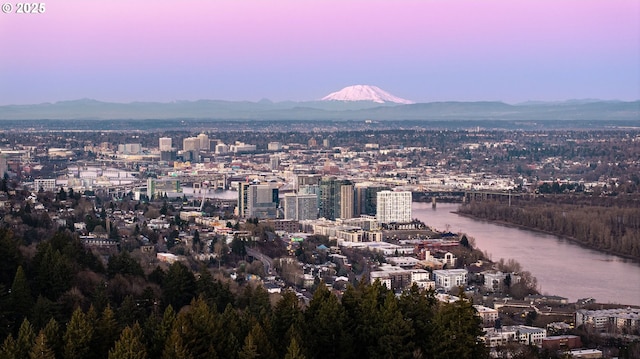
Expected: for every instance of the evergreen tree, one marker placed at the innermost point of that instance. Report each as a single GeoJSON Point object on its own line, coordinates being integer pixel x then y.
{"type": "Point", "coordinates": [261, 342]}
{"type": "Point", "coordinates": [325, 328]}
{"type": "Point", "coordinates": [464, 241]}
{"type": "Point", "coordinates": [286, 313]}
{"type": "Point", "coordinates": [259, 304]}
{"type": "Point", "coordinates": [418, 307]}
{"type": "Point", "coordinates": [124, 264]}
{"type": "Point", "coordinates": [21, 300]}
{"type": "Point", "coordinates": [235, 328]}
{"type": "Point", "coordinates": [41, 348]}
{"type": "Point", "coordinates": [199, 329]}
{"type": "Point", "coordinates": [53, 271]}
{"type": "Point", "coordinates": [129, 345]}
{"type": "Point", "coordinates": [159, 331]}
{"type": "Point", "coordinates": [11, 257]}
{"type": "Point", "coordinates": [5, 312]}
{"type": "Point", "coordinates": [179, 286]}
{"type": "Point", "coordinates": [217, 294]}
{"type": "Point", "coordinates": [129, 312]}
{"type": "Point", "coordinates": [78, 336]}
{"type": "Point", "coordinates": [25, 340]}
{"type": "Point", "coordinates": [368, 317]}
{"type": "Point", "coordinates": [458, 330]}
{"type": "Point", "coordinates": [106, 332]}
{"type": "Point", "coordinates": [9, 348]}
{"type": "Point", "coordinates": [249, 349]}
{"type": "Point", "coordinates": [54, 337]}
{"type": "Point", "coordinates": [294, 351]}
{"type": "Point", "coordinates": [174, 347]}
{"type": "Point", "coordinates": [396, 333]}
{"type": "Point", "coordinates": [165, 208]}
{"type": "Point", "coordinates": [41, 312]}
{"type": "Point", "coordinates": [62, 195]}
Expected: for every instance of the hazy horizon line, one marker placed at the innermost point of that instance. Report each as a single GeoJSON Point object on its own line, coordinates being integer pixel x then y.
{"type": "Point", "coordinates": [265, 99]}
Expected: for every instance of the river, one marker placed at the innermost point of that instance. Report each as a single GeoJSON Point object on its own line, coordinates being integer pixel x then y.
{"type": "Point", "coordinates": [562, 267]}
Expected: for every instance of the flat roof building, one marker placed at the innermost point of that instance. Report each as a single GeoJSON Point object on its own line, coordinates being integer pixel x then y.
{"type": "Point", "coordinates": [393, 207]}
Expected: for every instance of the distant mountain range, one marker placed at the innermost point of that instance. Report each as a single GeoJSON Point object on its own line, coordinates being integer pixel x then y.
{"type": "Point", "coordinates": [347, 104]}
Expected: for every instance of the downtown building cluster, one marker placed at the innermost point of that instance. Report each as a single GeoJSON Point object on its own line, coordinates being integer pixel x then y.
{"type": "Point", "coordinates": [325, 197]}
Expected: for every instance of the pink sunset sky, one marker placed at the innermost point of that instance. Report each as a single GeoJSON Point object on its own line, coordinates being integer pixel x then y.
{"type": "Point", "coordinates": [431, 50]}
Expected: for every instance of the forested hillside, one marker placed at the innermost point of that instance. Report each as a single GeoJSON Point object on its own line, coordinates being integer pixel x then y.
{"type": "Point", "coordinates": [608, 227]}
{"type": "Point", "coordinates": [60, 301]}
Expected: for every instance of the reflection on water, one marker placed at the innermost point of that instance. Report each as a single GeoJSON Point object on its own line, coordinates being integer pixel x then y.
{"type": "Point", "coordinates": [561, 266]}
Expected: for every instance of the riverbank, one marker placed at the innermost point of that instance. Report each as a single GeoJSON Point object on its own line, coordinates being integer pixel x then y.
{"type": "Point", "coordinates": [537, 230]}
{"type": "Point", "coordinates": [560, 266]}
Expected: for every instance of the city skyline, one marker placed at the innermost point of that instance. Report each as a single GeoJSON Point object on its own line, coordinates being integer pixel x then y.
{"type": "Point", "coordinates": [423, 51]}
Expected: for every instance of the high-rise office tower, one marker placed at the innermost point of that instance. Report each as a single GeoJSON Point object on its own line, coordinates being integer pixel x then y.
{"type": "Point", "coordinates": [336, 198]}
{"type": "Point", "coordinates": [300, 206]}
{"type": "Point", "coordinates": [258, 200]}
{"type": "Point", "coordinates": [346, 201]}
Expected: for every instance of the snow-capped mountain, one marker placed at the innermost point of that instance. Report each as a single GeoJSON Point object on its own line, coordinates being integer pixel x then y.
{"type": "Point", "coordinates": [364, 93]}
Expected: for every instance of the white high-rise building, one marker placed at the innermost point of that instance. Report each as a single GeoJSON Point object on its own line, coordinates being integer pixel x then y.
{"type": "Point", "coordinates": [191, 144]}
{"type": "Point", "coordinates": [165, 144]}
{"type": "Point", "coordinates": [393, 207]}
{"type": "Point", "coordinates": [203, 138]}
{"type": "Point", "coordinates": [300, 206]}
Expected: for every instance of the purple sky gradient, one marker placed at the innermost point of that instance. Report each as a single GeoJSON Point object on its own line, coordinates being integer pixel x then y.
{"type": "Point", "coordinates": [431, 50]}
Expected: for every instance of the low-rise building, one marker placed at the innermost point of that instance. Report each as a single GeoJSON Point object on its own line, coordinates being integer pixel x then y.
{"type": "Point", "coordinates": [586, 353]}
{"type": "Point", "coordinates": [561, 342]}
{"type": "Point", "coordinates": [397, 278]}
{"type": "Point", "coordinates": [620, 319]}
{"type": "Point", "coordinates": [405, 262]}
{"type": "Point", "coordinates": [516, 333]}
{"type": "Point", "coordinates": [494, 280]}
{"type": "Point", "coordinates": [44, 184]}
{"type": "Point", "coordinates": [450, 278]}
{"type": "Point", "coordinates": [488, 315]}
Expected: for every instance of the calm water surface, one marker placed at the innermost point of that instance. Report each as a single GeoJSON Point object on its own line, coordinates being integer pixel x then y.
{"type": "Point", "coordinates": [562, 268]}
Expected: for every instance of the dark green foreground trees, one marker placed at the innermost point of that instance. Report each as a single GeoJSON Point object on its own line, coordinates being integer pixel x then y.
{"type": "Point", "coordinates": [371, 323]}
{"type": "Point", "coordinates": [60, 302]}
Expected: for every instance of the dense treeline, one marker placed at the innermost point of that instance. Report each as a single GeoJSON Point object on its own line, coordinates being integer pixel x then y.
{"type": "Point", "coordinates": [57, 300]}
{"type": "Point", "coordinates": [612, 229]}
